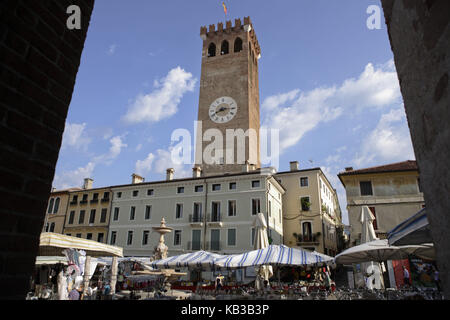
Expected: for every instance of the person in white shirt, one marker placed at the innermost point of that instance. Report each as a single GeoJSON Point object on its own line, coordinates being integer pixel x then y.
{"type": "Point", "coordinates": [405, 277]}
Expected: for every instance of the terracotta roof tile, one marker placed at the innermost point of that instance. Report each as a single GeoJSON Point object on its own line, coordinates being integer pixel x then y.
{"type": "Point", "coordinates": [409, 165]}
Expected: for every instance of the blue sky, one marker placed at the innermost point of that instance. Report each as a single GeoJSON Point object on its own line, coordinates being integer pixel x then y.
{"type": "Point", "coordinates": [326, 81]}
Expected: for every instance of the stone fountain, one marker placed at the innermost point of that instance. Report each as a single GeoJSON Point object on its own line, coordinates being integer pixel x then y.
{"type": "Point", "coordinates": [160, 252]}
{"type": "Point", "coordinates": [161, 249]}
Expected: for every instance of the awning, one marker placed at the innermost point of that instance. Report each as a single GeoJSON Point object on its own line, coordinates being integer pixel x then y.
{"type": "Point", "coordinates": [275, 255]}
{"type": "Point", "coordinates": [144, 261]}
{"type": "Point", "coordinates": [49, 260]}
{"type": "Point", "coordinates": [52, 244]}
{"type": "Point", "coordinates": [414, 230]}
{"type": "Point", "coordinates": [194, 260]}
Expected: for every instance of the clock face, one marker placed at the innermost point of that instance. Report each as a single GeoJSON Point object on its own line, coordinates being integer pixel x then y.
{"type": "Point", "coordinates": [223, 110]}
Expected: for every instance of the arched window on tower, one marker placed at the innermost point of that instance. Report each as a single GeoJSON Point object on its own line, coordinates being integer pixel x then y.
{"type": "Point", "coordinates": [238, 45]}
{"type": "Point", "coordinates": [212, 50]}
{"type": "Point", "coordinates": [225, 47]}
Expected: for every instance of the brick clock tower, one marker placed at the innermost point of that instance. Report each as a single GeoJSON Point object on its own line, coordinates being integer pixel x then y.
{"type": "Point", "coordinates": [229, 96]}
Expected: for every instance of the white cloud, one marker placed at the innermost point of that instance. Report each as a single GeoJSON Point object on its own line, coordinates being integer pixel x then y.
{"type": "Point", "coordinates": [390, 141]}
{"type": "Point", "coordinates": [275, 101]}
{"type": "Point", "coordinates": [163, 101]}
{"type": "Point", "coordinates": [145, 166]}
{"type": "Point", "coordinates": [295, 113]}
{"type": "Point", "coordinates": [114, 151]}
{"type": "Point", "coordinates": [112, 49]}
{"type": "Point", "coordinates": [139, 147]}
{"type": "Point", "coordinates": [375, 87]}
{"type": "Point", "coordinates": [300, 116]}
{"type": "Point", "coordinates": [75, 136]}
{"type": "Point", "coordinates": [158, 164]}
{"type": "Point", "coordinates": [75, 178]}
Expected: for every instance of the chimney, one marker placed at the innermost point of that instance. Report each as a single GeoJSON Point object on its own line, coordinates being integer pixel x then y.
{"type": "Point", "coordinates": [349, 169]}
{"type": "Point", "coordinates": [169, 174]}
{"type": "Point", "coordinates": [294, 165]}
{"type": "Point", "coordinates": [246, 167]}
{"type": "Point", "coordinates": [196, 172]}
{"type": "Point", "coordinates": [88, 183]}
{"type": "Point", "coordinates": [136, 178]}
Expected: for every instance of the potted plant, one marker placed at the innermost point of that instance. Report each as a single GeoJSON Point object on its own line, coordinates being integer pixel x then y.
{"type": "Point", "coordinates": [306, 205]}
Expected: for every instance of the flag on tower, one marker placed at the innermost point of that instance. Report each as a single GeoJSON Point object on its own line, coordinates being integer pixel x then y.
{"type": "Point", "coordinates": [224, 7]}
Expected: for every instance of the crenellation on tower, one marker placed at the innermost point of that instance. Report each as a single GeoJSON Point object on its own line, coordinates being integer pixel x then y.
{"type": "Point", "coordinates": [229, 26]}
{"type": "Point", "coordinates": [212, 32]}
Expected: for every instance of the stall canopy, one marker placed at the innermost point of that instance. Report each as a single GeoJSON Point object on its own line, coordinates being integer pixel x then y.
{"type": "Point", "coordinates": [143, 261]}
{"type": "Point", "coordinates": [195, 260]}
{"type": "Point", "coordinates": [274, 255]}
{"type": "Point", "coordinates": [380, 250]}
{"type": "Point", "coordinates": [414, 230]}
{"type": "Point", "coordinates": [50, 260]}
{"type": "Point", "coordinates": [52, 244]}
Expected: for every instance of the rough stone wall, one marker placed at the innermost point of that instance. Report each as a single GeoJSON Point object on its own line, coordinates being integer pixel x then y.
{"type": "Point", "coordinates": [419, 32]}
{"type": "Point", "coordinates": [39, 60]}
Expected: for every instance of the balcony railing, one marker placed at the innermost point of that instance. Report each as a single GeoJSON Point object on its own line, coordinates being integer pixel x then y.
{"type": "Point", "coordinates": [83, 201]}
{"type": "Point", "coordinates": [195, 218]}
{"type": "Point", "coordinates": [308, 239]}
{"type": "Point", "coordinates": [94, 201]}
{"type": "Point", "coordinates": [73, 202]}
{"type": "Point", "coordinates": [105, 200]}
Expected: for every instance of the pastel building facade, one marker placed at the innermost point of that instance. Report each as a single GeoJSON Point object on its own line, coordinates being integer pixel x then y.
{"type": "Point", "coordinates": [214, 213]}
{"type": "Point", "coordinates": [392, 192]}
{"type": "Point", "coordinates": [311, 211]}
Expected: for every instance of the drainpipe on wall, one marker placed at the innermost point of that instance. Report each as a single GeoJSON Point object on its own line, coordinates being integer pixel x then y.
{"type": "Point", "coordinates": [110, 214]}
{"type": "Point", "coordinates": [267, 210]}
{"type": "Point", "coordinates": [67, 211]}
{"type": "Point", "coordinates": [205, 214]}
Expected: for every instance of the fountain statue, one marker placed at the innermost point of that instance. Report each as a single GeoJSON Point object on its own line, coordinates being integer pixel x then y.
{"type": "Point", "coordinates": [161, 249]}
{"type": "Point", "coordinates": [160, 252]}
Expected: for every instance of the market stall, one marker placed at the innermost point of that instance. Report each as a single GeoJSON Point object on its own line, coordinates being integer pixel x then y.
{"type": "Point", "coordinates": [65, 263]}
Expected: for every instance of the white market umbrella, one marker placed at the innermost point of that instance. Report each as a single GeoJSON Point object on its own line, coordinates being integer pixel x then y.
{"type": "Point", "coordinates": [366, 219]}
{"type": "Point", "coordinates": [425, 251]}
{"type": "Point", "coordinates": [367, 235]}
{"type": "Point", "coordinates": [377, 250]}
{"type": "Point", "coordinates": [264, 272]}
{"type": "Point", "coordinates": [380, 250]}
